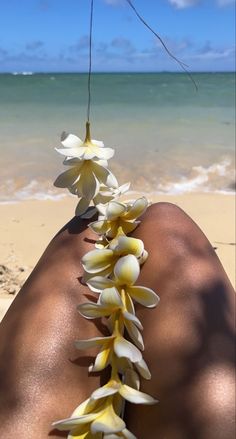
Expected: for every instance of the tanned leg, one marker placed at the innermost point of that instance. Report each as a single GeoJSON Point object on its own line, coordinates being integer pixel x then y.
{"type": "Point", "coordinates": [189, 337]}
{"type": "Point", "coordinates": [42, 376]}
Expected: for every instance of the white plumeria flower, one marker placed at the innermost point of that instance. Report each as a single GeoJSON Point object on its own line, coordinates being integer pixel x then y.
{"type": "Point", "coordinates": [102, 261]}
{"type": "Point", "coordinates": [83, 179]}
{"type": "Point", "coordinates": [116, 215]}
{"type": "Point", "coordinates": [93, 419]}
{"type": "Point", "coordinates": [109, 303]}
{"type": "Point", "coordinates": [90, 149]}
{"type": "Point", "coordinates": [128, 393]}
{"type": "Point", "coordinates": [126, 273]}
{"type": "Point", "coordinates": [105, 195]}
{"type": "Point", "coordinates": [114, 344]}
{"type": "Point", "coordinates": [88, 169]}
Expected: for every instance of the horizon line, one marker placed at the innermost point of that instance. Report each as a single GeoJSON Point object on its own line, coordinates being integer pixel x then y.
{"type": "Point", "coordinates": [31, 72]}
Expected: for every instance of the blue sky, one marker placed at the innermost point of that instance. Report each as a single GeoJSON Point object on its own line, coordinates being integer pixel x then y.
{"type": "Point", "coordinates": [52, 35]}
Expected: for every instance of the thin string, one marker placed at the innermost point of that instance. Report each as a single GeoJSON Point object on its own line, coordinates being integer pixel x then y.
{"type": "Point", "coordinates": [90, 60]}
{"type": "Point", "coordinates": [182, 65]}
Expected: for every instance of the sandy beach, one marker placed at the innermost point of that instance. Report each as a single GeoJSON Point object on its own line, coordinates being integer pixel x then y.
{"type": "Point", "coordinates": [27, 227]}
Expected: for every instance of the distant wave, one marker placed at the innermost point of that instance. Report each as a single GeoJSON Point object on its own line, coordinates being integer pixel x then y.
{"type": "Point", "coordinates": [34, 190]}
{"type": "Point", "coordinates": [22, 73]}
{"type": "Point", "coordinates": [214, 178]}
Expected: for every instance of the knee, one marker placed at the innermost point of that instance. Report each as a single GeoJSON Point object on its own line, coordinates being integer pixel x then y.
{"type": "Point", "coordinates": [167, 213]}
{"type": "Point", "coordinates": [173, 237]}
{"type": "Point", "coordinates": [174, 225]}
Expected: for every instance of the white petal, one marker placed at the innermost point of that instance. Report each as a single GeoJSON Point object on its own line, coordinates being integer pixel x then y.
{"type": "Point", "coordinates": [114, 210]}
{"type": "Point", "coordinates": [108, 422]}
{"type": "Point", "coordinates": [104, 153]}
{"type": "Point", "coordinates": [104, 175]}
{"type": "Point", "coordinates": [89, 185]}
{"type": "Point", "coordinates": [134, 334]}
{"type": "Point", "coordinates": [103, 163]}
{"type": "Point", "coordinates": [124, 348]}
{"type": "Point", "coordinates": [92, 310]}
{"type": "Point", "coordinates": [143, 370]}
{"type": "Point", "coordinates": [111, 297]}
{"type": "Point", "coordinates": [132, 318]}
{"type": "Point", "coordinates": [97, 260]}
{"type": "Point", "coordinates": [111, 181]}
{"type": "Point", "coordinates": [127, 245]}
{"type": "Point", "coordinates": [138, 208]}
{"type": "Point", "coordinates": [127, 270]}
{"type": "Point", "coordinates": [93, 342]}
{"type": "Point", "coordinates": [144, 296]}
{"type": "Point", "coordinates": [67, 178]}
{"type": "Point", "coordinates": [135, 396]}
{"type": "Point", "coordinates": [101, 209]}
{"type": "Point", "coordinates": [97, 143]}
{"type": "Point", "coordinates": [71, 423]}
{"type": "Point", "coordinates": [70, 140]}
{"type": "Point", "coordinates": [99, 283]}
{"type": "Point", "coordinates": [82, 206]}
{"type": "Point", "coordinates": [110, 388]}
{"type": "Point", "coordinates": [72, 152]}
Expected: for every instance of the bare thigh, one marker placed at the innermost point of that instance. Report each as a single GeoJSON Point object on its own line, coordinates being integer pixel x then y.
{"type": "Point", "coordinates": [190, 337]}
{"type": "Point", "coordinates": [42, 376]}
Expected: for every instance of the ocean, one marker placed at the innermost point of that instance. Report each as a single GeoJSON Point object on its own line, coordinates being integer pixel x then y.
{"type": "Point", "coordinates": [167, 137]}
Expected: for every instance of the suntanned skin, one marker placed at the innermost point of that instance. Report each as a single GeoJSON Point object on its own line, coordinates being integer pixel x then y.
{"type": "Point", "coordinates": [189, 337]}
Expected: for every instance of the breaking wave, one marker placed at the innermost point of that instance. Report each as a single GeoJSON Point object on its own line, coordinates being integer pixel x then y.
{"type": "Point", "coordinates": [217, 178]}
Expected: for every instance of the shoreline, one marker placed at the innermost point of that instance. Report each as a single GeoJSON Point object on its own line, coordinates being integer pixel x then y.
{"type": "Point", "coordinates": [28, 226]}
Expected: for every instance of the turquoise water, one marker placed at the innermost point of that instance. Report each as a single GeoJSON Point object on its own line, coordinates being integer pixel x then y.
{"type": "Point", "coordinates": [168, 137]}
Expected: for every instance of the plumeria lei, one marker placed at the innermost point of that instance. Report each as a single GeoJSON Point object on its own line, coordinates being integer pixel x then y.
{"type": "Point", "coordinates": [111, 270]}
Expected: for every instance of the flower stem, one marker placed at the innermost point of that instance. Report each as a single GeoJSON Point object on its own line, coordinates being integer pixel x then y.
{"type": "Point", "coordinates": [88, 134]}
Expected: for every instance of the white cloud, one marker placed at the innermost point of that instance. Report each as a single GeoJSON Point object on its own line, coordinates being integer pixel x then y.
{"type": "Point", "coordinates": [182, 4]}
{"type": "Point", "coordinates": [178, 4]}
{"type": "Point", "coordinates": [212, 54]}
